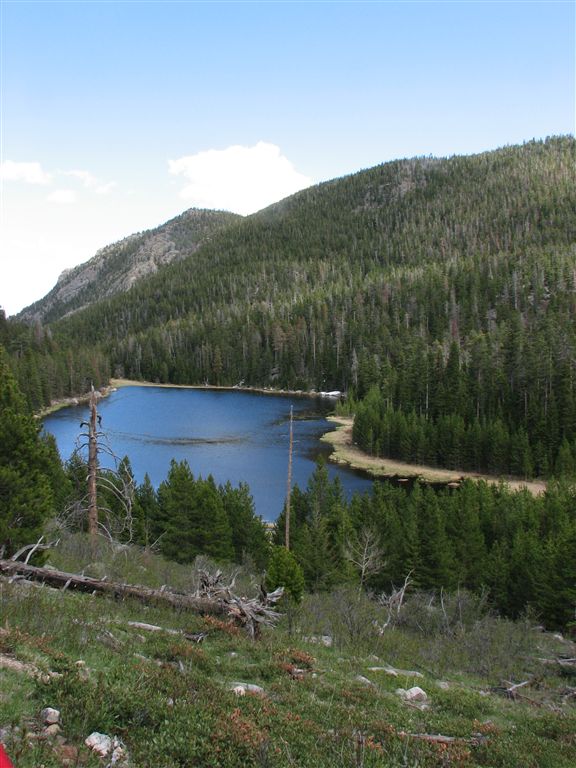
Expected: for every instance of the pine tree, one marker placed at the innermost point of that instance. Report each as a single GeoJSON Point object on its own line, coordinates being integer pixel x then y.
{"type": "Point", "coordinates": [145, 511]}
{"type": "Point", "coordinates": [248, 532]}
{"type": "Point", "coordinates": [28, 468]}
{"type": "Point", "coordinates": [284, 571]}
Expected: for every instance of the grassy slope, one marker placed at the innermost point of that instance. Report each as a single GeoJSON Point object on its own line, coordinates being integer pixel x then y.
{"type": "Point", "coordinates": [169, 698]}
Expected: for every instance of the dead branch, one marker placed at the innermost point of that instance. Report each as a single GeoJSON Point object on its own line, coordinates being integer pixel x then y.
{"type": "Point", "coordinates": [510, 690]}
{"type": "Point", "coordinates": [365, 553]}
{"type": "Point", "coordinates": [34, 548]}
{"type": "Point", "coordinates": [250, 613]}
{"type": "Point", "coordinates": [393, 603]}
{"type": "Point", "coordinates": [438, 738]}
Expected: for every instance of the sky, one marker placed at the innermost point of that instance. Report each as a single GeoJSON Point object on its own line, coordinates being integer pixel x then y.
{"type": "Point", "coordinates": [116, 116]}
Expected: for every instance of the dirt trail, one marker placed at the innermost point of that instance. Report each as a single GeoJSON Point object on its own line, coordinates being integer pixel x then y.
{"type": "Point", "coordinates": [346, 452]}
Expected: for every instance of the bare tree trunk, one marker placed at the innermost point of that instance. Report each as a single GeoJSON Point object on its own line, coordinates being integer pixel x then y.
{"type": "Point", "coordinates": [64, 580]}
{"type": "Point", "coordinates": [289, 480]}
{"type": "Point", "coordinates": [92, 471]}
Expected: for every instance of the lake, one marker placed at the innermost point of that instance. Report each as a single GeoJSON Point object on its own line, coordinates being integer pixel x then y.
{"type": "Point", "coordinates": [233, 435]}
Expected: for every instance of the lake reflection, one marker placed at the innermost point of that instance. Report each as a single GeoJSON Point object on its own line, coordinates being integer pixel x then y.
{"type": "Point", "coordinates": [236, 436]}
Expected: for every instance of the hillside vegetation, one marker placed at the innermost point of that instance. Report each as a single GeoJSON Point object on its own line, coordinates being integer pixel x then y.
{"type": "Point", "coordinates": [329, 693]}
{"type": "Point", "coordinates": [447, 284]}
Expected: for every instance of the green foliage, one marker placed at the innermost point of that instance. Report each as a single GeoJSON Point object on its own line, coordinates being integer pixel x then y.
{"type": "Point", "coordinates": [446, 283]}
{"type": "Point", "coordinates": [249, 537]}
{"type": "Point", "coordinates": [170, 702]}
{"type": "Point", "coordinates": [284, 571]}
{"type": "Point", "coordinates": [31, 476]}
{"type": "Point", "coordinates": [191, 518]}
{"type": "Point", "coordinates": [516, 548]}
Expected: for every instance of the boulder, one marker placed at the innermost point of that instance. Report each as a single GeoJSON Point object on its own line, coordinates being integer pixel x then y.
{"type": "Point", "coordinates": [241, 689]}
{"type": "Point", "coordinates": [99, 743]}
{"type": "Point", "coordinates": [412, 694]}
{"type": "Point", "coordinates": [50, 716]}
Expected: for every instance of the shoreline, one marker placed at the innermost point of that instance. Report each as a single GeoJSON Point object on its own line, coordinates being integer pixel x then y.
{"type": "Point", "coordinates": [346, 453]}
{"type": "Point", "coordinates": [120, 383]}
{"type": "Point", "coordinates": [116, 384]}
{"type": "Point", "coordinates": [66, 402]}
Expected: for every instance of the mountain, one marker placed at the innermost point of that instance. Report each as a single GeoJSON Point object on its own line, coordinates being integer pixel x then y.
{"type": "Point", "coordinates": [117, 267]}
{"type": "Point", "coordinates": [448, 284]}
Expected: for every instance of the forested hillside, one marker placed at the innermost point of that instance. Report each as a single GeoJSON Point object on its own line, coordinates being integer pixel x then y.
{"type": "Point", "coordinates": [447, 284]}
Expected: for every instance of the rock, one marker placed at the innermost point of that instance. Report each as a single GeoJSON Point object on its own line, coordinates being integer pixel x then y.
{"type": "Point", "coordinates": [52, 730]}
{"type": "Point", "coordinates": [50, 716]}
{"type": "Point", "coordinates": [363, 680]}
{"type": "Point", "coordinates": [389, 670]}
{"type": "Point", "coordinates": [443, 685]}
{"type": "Point", "coordinates": [416, 694]}
{"type": "Point", "coordinates": [99, 743]}
{"type": "Point", "coordinates": [325, 640]}
{"type": "Point", "coordinates": [241, 689]}
{"type": "Point", "coordinates": [7, 662]}
{"type": "Point", "coordinates": [298, 673]}
{"type": "Point", "coordinates": [119, 754]}
{"type": "Point", "coordinates": [412, 694]}
{"type": "Point", "coordinates": [396, 672]}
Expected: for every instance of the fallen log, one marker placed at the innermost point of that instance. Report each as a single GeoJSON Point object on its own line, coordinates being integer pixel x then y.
{"type": "Point", "coordinates": [438, 738]}
{"type": "Point", "coordinates": [61, 579]}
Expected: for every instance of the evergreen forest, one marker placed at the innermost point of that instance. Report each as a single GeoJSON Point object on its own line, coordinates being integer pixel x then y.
{"type": "Point", "coordinates": [437, 292]}
{"type": "Point", "coordinates": [515, 549]}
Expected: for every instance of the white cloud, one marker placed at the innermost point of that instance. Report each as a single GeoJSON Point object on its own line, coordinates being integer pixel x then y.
{"type": "Point", "coordinates": [62, 196]}
{"type": "Point", "coordinates": [105, 189]}
{"type": "Point", "coordinates": [239, 179]}
{"type": "Point", "coordinates": [89, 181]}
{"type": "Point", "coordinates": [29, 173]}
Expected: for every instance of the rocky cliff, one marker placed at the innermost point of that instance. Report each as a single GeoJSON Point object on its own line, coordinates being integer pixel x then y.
{"type": "Point", "coordinates": [115, 268]}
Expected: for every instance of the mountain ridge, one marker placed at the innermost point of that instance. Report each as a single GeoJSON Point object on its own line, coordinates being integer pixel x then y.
{"type": "Point", "coordinates": [117, 266]}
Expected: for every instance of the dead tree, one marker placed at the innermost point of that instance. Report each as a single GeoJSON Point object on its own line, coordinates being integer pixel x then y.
{"type": "Point", "coordinates": [92, 468]}
{"type": "Point", "coordinates": [289, 479]}
{"type": "Point", "coordinates": [393, 603]}
{"type": "Point", "coordinates": [365, 553]}
{"type": "Point", "coordinates": [212, 597]}
{"type": "Point", "coordinates": [101, 482]}
{"type": "Point", "coordinates": [250, 613]}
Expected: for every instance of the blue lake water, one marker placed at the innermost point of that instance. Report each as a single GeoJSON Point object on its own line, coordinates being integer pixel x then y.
{"type": "Point", "coordinates": [236, 436]}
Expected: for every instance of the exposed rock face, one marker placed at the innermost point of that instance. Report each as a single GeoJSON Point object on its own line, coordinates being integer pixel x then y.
{"type": "Point", "coordinates": [115, 268]}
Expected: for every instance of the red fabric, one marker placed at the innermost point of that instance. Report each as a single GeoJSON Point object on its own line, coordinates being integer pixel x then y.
{"type": "Point", "coordinates": [4, 759]}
